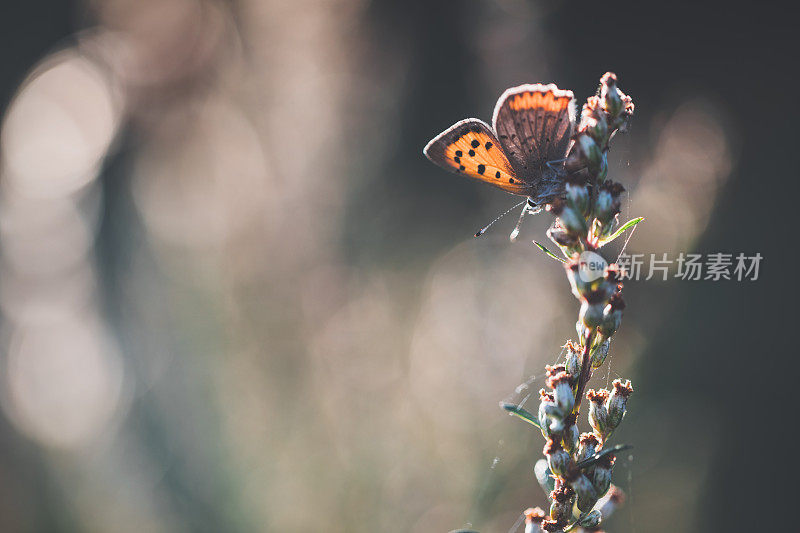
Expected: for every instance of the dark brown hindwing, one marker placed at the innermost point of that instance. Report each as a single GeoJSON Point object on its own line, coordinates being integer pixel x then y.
{"type": "Point", "coordinates": [534, 124]}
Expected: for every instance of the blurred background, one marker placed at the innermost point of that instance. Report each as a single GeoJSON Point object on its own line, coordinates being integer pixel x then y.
{"type": "Point", "coordinates": [234, 296]}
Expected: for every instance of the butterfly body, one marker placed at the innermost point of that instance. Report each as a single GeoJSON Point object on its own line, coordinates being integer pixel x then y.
{"type": "Point", "coordinates": [522, 152]}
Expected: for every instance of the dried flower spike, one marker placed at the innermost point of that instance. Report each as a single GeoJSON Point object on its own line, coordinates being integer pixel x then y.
{"type": "Point", "coordinates": [577, 472]}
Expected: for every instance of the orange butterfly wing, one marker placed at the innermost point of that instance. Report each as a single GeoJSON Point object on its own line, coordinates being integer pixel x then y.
{"type": "Point", "coordinates": [470, 147]}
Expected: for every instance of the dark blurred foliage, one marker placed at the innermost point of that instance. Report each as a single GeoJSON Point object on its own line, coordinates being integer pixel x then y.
{"type": "Point", "coordinates": [725, 348]}
{"type": "Point", "coordinates": [716, 370]}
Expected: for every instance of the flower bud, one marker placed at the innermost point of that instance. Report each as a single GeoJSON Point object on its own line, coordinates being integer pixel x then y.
{"type": "Point", "coordinates": [591, 520]}
{"type": "Point", "coordinates": [599, 353]}
{"type": "Point", "coordinates": [547, 420]}
{"type": "Point", "coordinates": [600, 474]}
{"type": "Point", "coordinates": [587, 495]}
{"type": "Point", "coordinates": [579, 286]}
{"type": "Point", "coordinates": [550, 416]}
{"type": "Point", "coordinates": [557, 458]}
{"type": "Point", "coordinates": [612, 318]}
{"type": "Point", "coordinates": [575, 161]}
{"type": "Point", "coordinates": [612, 315]}
{"type": "Point", "coordinates": [611, 501]}
{"type": "Point", "coordinates": [591, 313]}
{"type": "Point", "coordinates": [598, 413]}
{"type": "Point", "coordinates": [587, 447]}
{"type": "Point", "coordinates": [593, 121]}
{"type": "Point", "coordinates": [622, 120]}
{"type": "Point", "coordinates": [618, 400]}
{"type": "Point", "coordinates": [610, 96]}
{"type": "Point", "coordinates": [544, 476]}
{"type": "Point", "coordinates": [569, 217]}
{"type": "Point", "coordinates": [578, 197]}
{"type": "Point", "coordinates": [608, 201]}
{"type": "Point", "coordinates": [572, 359]}
{"type": "Point", "coordinates": [561, 383]}
{"type": "Point", "coordinates": [563, 498]}
{"type": "Point", "coordinates": [533, 519]}
{"type": "Point", "coordinates": [563, 238]}
{"type": "Point", "coordinates": [590, 153]}
{"type": "Point", "coordinates": [610, 283]}
{"type": "Point", "coordinates": [628, 103]}
{"type": "Point", "coordinates": [570, 438]}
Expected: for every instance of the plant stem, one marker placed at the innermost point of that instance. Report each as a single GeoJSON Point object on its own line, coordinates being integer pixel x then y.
{"type": "Point", "coordinates": [586, 373]}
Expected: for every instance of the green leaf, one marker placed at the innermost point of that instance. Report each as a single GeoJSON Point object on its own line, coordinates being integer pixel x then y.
{"type": "Point", "coordinates": [629, 224]}
{"type": "Point", "coordinates": [602, 453]}
{"type": "Point", "coordinates": [521, 413]}
{"type": "Point", "coordinates": [548, 252]}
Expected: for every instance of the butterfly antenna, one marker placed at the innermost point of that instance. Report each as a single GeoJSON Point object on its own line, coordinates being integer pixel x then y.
{"type": "Point", "coordinates": [482, 231]}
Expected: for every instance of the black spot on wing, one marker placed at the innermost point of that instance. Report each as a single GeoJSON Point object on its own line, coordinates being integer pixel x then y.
{"type": "Point", "coordinates": [481, 168]}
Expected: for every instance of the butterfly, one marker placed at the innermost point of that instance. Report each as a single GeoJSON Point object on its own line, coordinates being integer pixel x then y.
{"type": "Point", "coordinates": [524, 150]}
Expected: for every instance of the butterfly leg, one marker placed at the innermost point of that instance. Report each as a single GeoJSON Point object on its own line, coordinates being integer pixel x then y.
{"type": "Point", "coordinates": [530, 207]}
{"type": "Point", "coordinates": [550, 164]}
